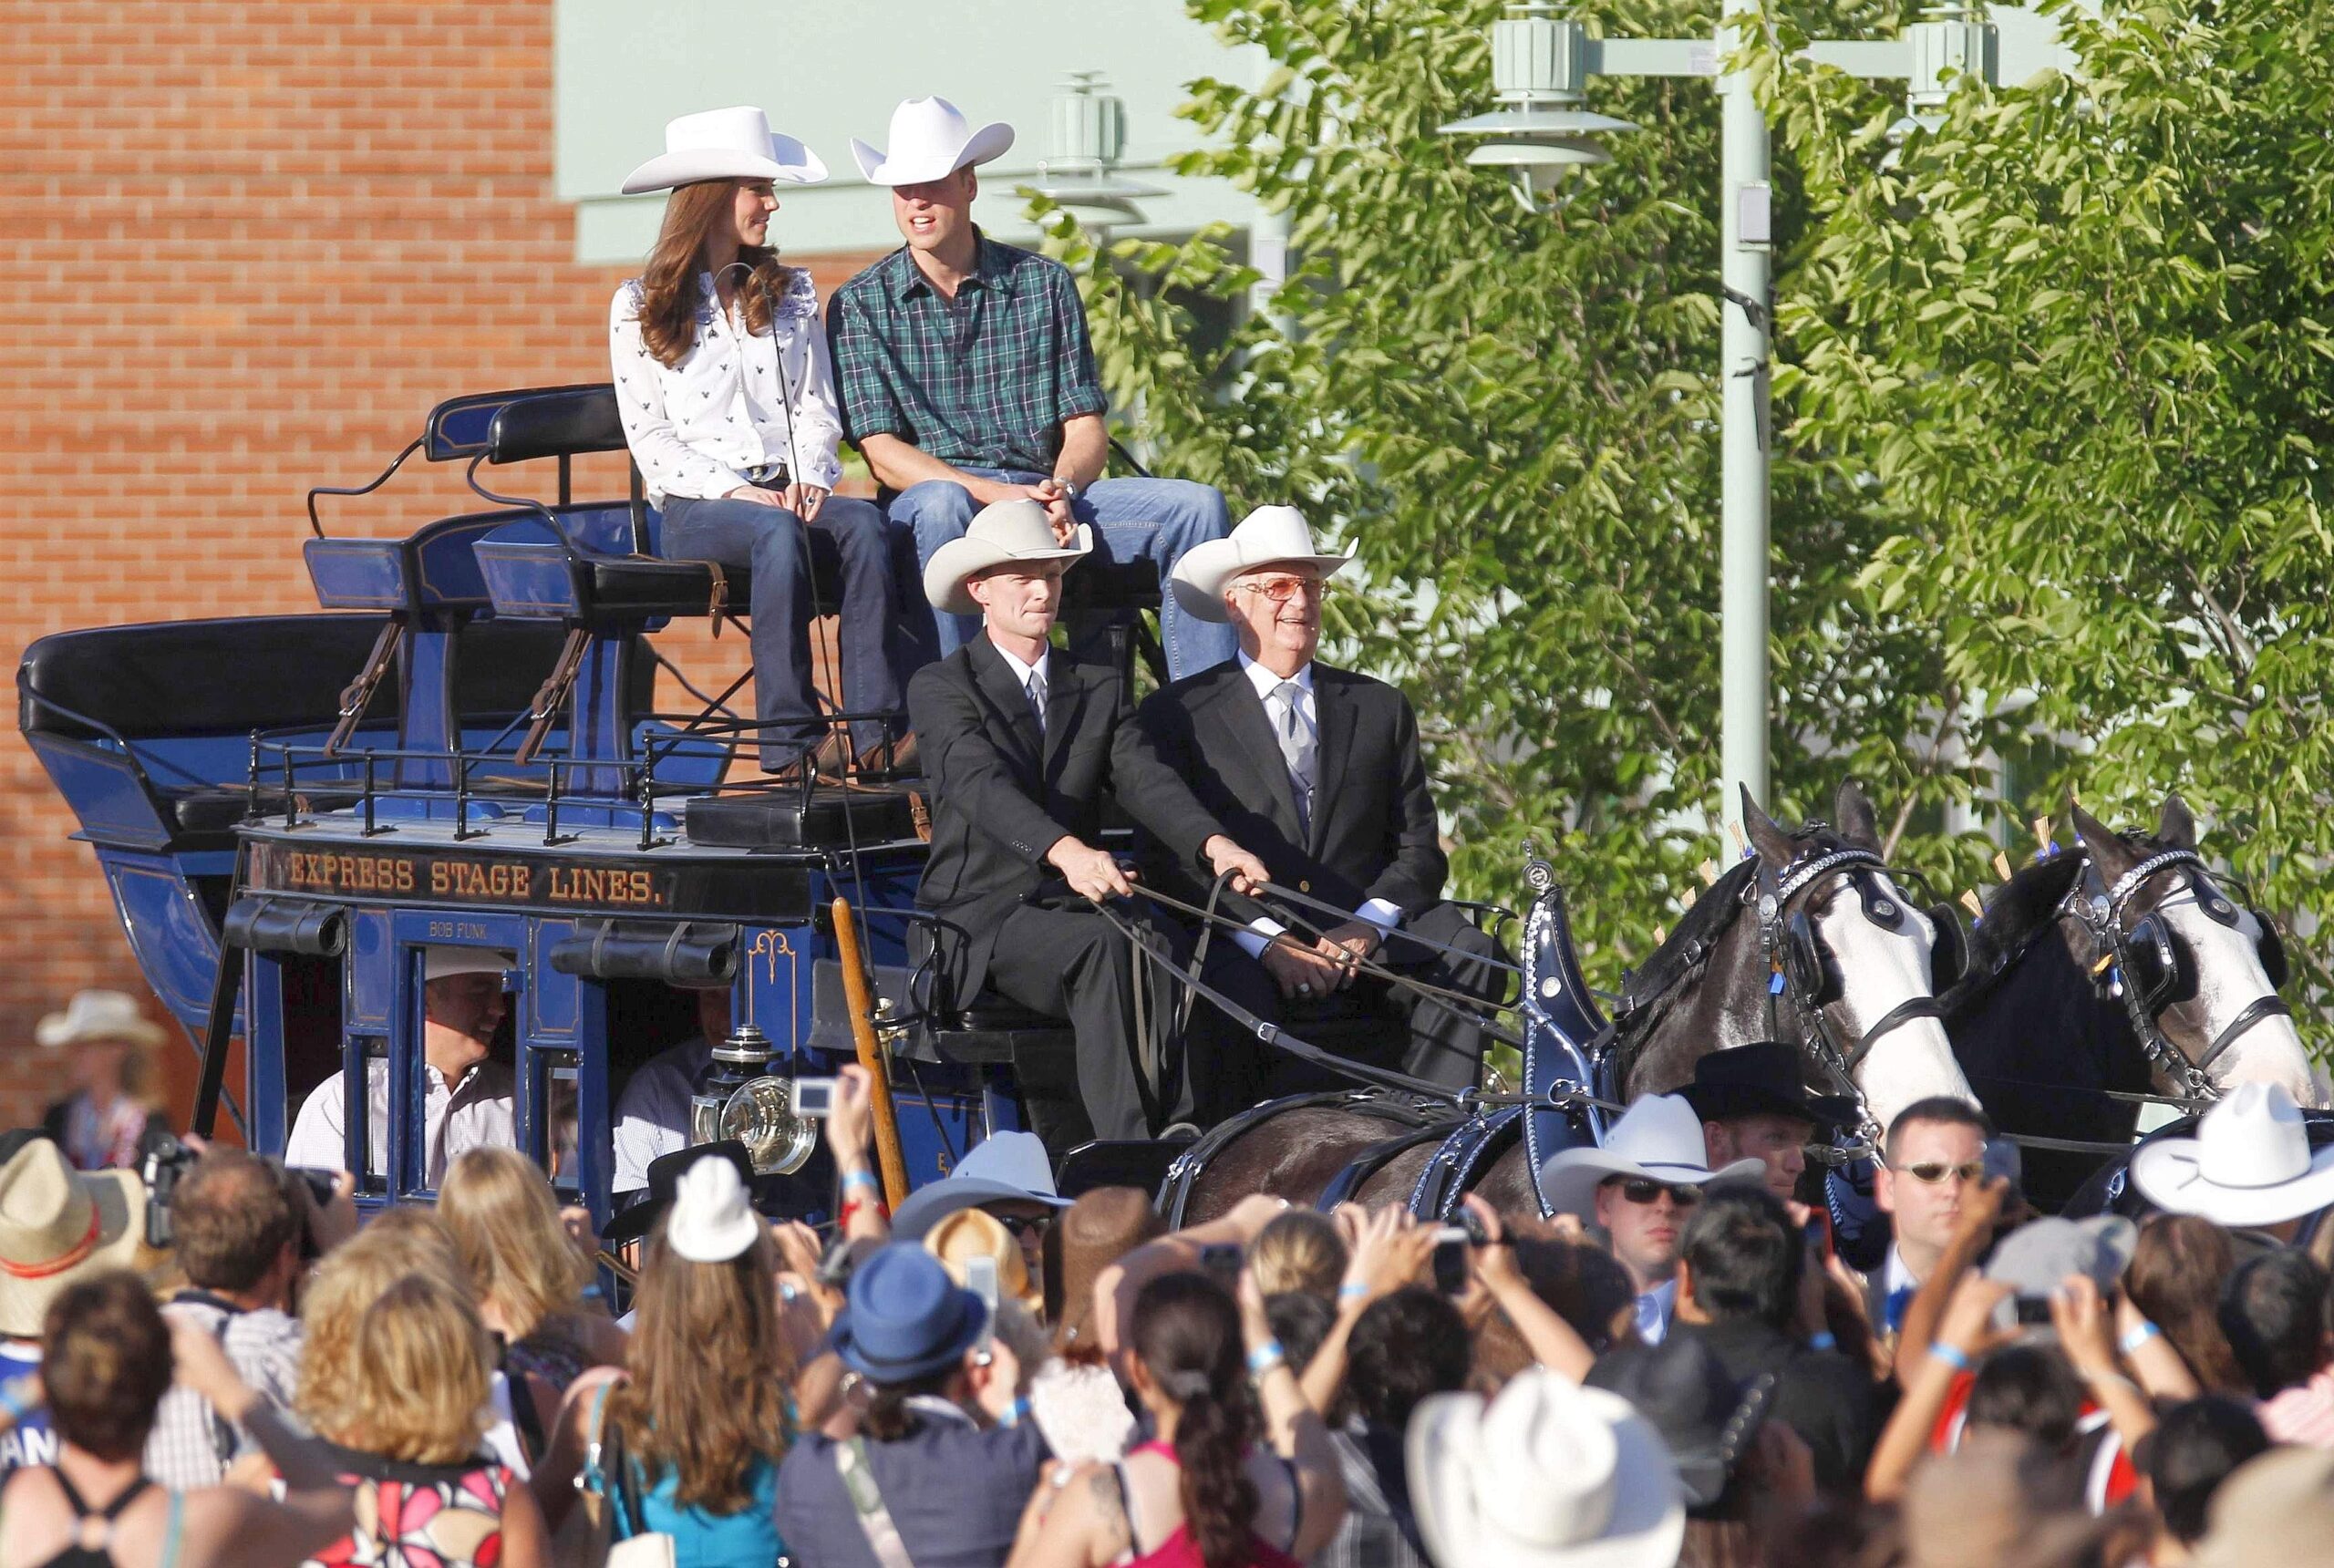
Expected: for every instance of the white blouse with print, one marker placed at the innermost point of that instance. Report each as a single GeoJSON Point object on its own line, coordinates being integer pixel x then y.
{"type": "Point", "coordinates": [699, 428]}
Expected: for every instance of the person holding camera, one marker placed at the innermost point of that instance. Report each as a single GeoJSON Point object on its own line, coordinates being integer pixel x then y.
{"type": "Point", "coordinates": [240, 1225]}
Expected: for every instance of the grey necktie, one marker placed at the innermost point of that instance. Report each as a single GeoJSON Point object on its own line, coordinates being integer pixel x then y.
{"type": "Point", "coordinates": [1297, 746]}
{"type": "Point", "coordinates": [1036, 689]}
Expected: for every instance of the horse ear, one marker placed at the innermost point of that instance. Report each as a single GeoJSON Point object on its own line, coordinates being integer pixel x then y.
{"type": "Point", "coordinates": [2107, 850]}
{"type": "Point", "coordinates": [1859, 824]}
{"type": "Point", "coordinates": [1775, 847]}
{"type": "Point", "coordinates": [2177, 825]}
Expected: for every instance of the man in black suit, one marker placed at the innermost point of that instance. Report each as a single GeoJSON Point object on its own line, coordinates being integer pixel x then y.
{"type": "Point", "coordinates": [1317, 770]}
{"type": "Point", "coordinates": [1021, 741]}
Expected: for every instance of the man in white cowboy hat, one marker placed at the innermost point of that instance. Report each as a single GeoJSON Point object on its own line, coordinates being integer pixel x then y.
{"type": "Point", "coordinates": [1317, 770]}
{"type": "Point", "coordinates": [108, 1046]}
{"type": "Point", "coordinates": [1640, 1185]}
{"type": "Point", "coordinates": [1021, 743]}
{"type": "Point", "coordinates": [967, 378]}
{"type": "Point", "coordinates": [58, 1226]}
{"type": "Point", "coordinates": [2248, 1167]}
{"type": "Point", "coordinates": [466, 1096]}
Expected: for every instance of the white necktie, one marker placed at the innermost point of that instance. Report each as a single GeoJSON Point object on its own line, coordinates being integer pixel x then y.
{"type": "Point", "coordinates": [1297, 749]}
{"type": "Point", "coordinates": [1036, 689]}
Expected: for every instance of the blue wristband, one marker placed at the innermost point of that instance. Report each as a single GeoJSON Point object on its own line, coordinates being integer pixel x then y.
{"type": "Point", "coordinates": [1952, 1356]}
{"type": "Point", "coordinates": [14, 1397]}
{"type": "Point", "coordinates": [1265, 1356]}
{"type": "Point", "coordinates": [1822, 1339]}
{"type": "Point", "coordinates": [2141, 1333]}
{"type": "Point", "coordinates": [1352, 1292]}
{"type": "Point", "coordinates": [1014, 1414]}
{"type": "Point", "coordinates": [591, 1292]}
{"type": "Point", "coordinates": [862, 1179]}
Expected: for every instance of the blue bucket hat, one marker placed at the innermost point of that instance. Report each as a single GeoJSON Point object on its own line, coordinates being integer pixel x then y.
{"type": "Point", "coordinates": [904, 1318]}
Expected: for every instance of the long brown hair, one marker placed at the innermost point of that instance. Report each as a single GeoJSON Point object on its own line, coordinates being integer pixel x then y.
{"type": "Point", "coordinates": [669, 305]}
{"type": "Point", "coordinates": [1186, 1331]}
{"type": "Point", "coordinates": [504, 1219]}
{"type": "Point", "coordinates": [710, 1369]}
{"type": "Point", "coordinates": [2174, 1278]}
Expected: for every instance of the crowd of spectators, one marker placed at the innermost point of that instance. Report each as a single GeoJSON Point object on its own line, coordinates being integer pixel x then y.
{"type": "Point", "coordinates": [1679, 1366]}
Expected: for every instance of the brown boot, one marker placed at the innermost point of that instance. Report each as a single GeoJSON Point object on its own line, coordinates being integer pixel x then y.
{"type": "Point", "coordinates": [896, 758]}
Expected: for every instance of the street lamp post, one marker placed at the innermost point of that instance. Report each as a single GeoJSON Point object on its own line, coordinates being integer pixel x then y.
{"type": "Point", "coordinates": [1541, 64]}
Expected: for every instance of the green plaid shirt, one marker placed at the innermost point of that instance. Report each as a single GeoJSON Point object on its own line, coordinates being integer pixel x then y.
{"type": "Point", "coordinates": [985, 380]}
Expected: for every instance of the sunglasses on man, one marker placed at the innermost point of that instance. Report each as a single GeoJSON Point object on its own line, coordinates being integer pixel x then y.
{"type": "Point", "coordinates": [1930, 1172]}
{"type": "Point", "coordinates": [1022, 1225]}
{"type": "Point", "coordinates": [1641, 1192]}
{"type": "Point", "coordinates": [1281, 590]}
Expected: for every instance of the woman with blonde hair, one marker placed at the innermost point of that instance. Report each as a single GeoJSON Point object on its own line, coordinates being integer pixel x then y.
{"type": "Point", "coordinates": [403, 1397]}
{"type": "Point", "coordinates": [697, 1423]}
{"type": "Point", "coordinates": [728, 405]}
{"type": "Point", "coordinates": [1300, 1250]}
{"type": "Point", "coordinates": [525, 1269]}
{"type": "Point", "coordinates": [111, 1120]}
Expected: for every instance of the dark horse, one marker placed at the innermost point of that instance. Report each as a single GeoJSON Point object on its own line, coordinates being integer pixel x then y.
{"type": "Point", "coordinates": [2117, 969]}
{"type": "Point", "coordinates": [1850, 978]}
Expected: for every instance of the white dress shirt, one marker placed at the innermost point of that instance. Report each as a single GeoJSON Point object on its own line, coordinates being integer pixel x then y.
{"type": "Point", "coordinates": [1024, 673]}
{"type": "Point", "coordinates": [1380, 913]}
{"type": "Point", "coordinates": [698, 428]}
{"type": "Point", "coordinates": [1653, 1310]}
{"type": "Point", "coordinates": [653, 1113]}
{"type": "Point", "coordinates": [474, 1112]}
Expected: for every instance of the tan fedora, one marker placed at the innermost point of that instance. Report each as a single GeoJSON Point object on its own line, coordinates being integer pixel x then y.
{"type": "Point", "coordinates": [970, 1233]}
{"type": "Point", "coordinates": [1006, 533]}
{"type": "Point", "coordinates": [57, 1225]}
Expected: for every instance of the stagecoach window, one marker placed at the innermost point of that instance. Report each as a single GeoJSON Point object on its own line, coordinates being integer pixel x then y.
{"type": "Point", "coordinates": [552, 1143]}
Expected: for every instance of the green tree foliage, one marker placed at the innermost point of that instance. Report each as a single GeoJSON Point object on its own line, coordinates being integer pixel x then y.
{"type": "Point", "coordinates": [2045, 463]}
{"type": "Point", "coordinates": [2074, 339]}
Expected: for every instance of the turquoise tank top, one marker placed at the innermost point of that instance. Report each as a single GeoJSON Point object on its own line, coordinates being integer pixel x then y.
{"type": "Point", "coordinates": [747, 1539]}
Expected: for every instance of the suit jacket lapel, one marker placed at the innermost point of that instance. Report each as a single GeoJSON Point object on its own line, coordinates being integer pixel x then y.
{"type": "Point", "coordinates": [1000, 684]}
{"type": "Point", "coordinates": [1255, 746]}
{"type": "Point", "coordinates": [1064, 696]}
{"type": "Point", "coordinates": [1333, 716]}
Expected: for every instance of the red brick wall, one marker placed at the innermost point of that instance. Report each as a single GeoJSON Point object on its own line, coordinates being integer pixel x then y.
{"type": "Point", "coordinates": [246, 247]}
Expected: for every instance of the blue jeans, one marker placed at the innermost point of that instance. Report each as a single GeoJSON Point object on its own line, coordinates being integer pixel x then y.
{"type": "Point", "coordinates": [1134, 520]}
{"type": "Point", "coordinates": [776, 546]}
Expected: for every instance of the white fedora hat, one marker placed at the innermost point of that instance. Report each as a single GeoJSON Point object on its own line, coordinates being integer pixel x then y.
{"type": "Point", "coordinates": [445, 962]}
{"type": "Point", "coordinates": [712, 1220]}
{"type": "Point", "coordinates": [1268, 536]}
{"type": "Point", "coordinates": [930, 140]}
{"type": "Point", "coordinates": [1003, 533]}
{"type": "Point", "coordinates": [1659, 1139]}
{"type": "Point", "coordinates": [99, 1016]}
{"type": "Point", "coordinates": [1548, 1475]}
{"type": "Point", "coordinates": [726, 144]}
{"type": "Point", "coordinates": [2249, 1164]}
{"type": "Point", "coordinates": [58, 1225]}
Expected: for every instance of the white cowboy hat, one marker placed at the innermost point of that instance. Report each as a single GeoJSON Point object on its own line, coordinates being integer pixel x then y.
{"type": "Point", "coordinates": [1548, 1475]}
{"type": "Point", "coordinates": [1003, 533]}
{"type": "Point", "coordinates": [725, 144]}
{"type": "Point", "coordinates": [1659, 1139]}
{"type": "Point", "coordinates": [98, 1016]}
{"type": "Point", "coordinates": [711, 1220]}
{"type": "Point", "coordinates": [2249, 1164]}
{"type": "Point", "coordinates": [56, 1225]}
{"type": "Point", "coordinates": [1268, 536]}
{"type": "Point", "coordinates": [444, 963]}
{"type": "Point", "coordinates": [930, 140]}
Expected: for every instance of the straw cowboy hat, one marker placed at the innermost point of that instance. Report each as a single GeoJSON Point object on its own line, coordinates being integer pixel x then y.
{"type": "Point", "coordinates": [94, 1015]}
{"type": "Point", "coordinates": [445, 962]}
{"type": "Point", "coordinates": [970, 1233]}
{"type": "Point", "coordinates": [725, 144]}
{"type": "Point", "coordinates": [1005, 533]}
{"type": "Point", "coordinates": [1659, 1139]}
{"type": "Point", "coordinates": [57, 1226]}
{"type": "Point", "coordinates": [2249, 1163]}
{"type": "Point", "coordinates": [1548, 1475]}
{"type": "Point", "coordinates": [930, 140]}
{"type": "Point", "coordinates": [1268, 536]}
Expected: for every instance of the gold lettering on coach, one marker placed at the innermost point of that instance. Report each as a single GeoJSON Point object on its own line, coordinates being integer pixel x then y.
{"type": "Point", "coordinates": [462, 879]}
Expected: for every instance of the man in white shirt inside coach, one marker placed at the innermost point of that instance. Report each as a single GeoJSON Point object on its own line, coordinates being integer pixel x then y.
{"type": "Point", "coordinates": [465, 1099]}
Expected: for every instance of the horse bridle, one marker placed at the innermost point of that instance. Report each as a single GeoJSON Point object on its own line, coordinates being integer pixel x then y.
{"type": "Point", "coordinates": [2147, 950]}
{"type": "Point", "coordinates": [1786, 938]}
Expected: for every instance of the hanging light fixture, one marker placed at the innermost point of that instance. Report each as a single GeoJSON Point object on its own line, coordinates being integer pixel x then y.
{"type": "Point", "coordinates": [1079, 172]}
{"type": "Point", "coordinates": [1539, 69]}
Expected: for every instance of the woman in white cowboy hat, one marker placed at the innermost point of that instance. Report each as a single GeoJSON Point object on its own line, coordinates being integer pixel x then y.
{"type": "Point", "coordinates": [2248, 1167]}
{"type": "Point", "coordinates": [728, 405]}
{"type": "Point", "coordinates": [109, 1119]}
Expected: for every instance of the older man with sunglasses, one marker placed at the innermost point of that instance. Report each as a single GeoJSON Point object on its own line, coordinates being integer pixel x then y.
{"type": "Point", "coordinates": [1639, 1187]}
{"type": "Point", "coordinates": [1934, 1158]}
{"type": "Point", "coordinates": [1317, 771]}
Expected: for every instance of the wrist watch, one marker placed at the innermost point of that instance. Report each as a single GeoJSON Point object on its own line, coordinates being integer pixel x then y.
{"type": "Point", "coordinates": [1069, 487]}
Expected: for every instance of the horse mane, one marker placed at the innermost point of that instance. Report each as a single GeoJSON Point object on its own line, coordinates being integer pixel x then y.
{"type": "Point", "coordinates": [2018, 911]}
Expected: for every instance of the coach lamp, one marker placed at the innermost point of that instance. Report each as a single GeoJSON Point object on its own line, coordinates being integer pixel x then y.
{"type": "Point", "coordinates": [739, 1096]}
{"type": "Point", "coordinates": [1540, 68]}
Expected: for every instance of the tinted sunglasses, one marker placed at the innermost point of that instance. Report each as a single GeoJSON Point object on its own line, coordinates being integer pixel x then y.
{"type": "Point", "coordinates": [1281, 590]}
{"type": "Point", "coordinates": [1022, 1225]}
{"type": "Point", "coordinates": [1933, 1171]}
{"type": "Point", "coordinates": [1641, 1192]}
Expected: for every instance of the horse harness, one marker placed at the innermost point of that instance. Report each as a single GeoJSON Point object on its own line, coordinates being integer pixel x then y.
{"type": "Point", "coordinates": [2144, 965]}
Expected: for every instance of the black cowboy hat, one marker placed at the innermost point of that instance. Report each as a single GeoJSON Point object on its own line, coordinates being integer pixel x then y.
{"type": "Point", "coordinates": [1761, 1078]}
{"type": "Point", "coordinates": [664, 1178]}
{"type": "Point", "coordinates": [1705, 1419]}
